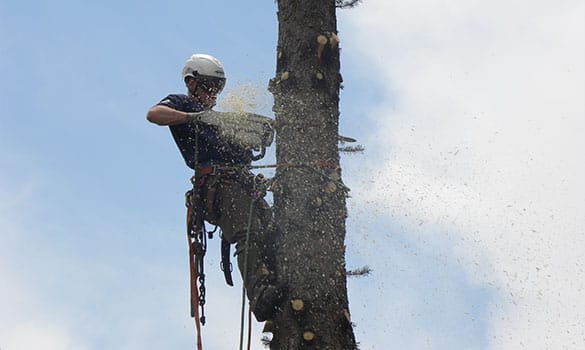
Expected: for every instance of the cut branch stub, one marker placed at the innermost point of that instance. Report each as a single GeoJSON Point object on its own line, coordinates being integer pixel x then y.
{"type": "Point", "coordinates": [346, 314]}
{"type": "Point", "coordinates": [333, 40]}
{"type": "Point", "coordinates": [308, 336]}
{"type": "Point", "coordinates": [317, 202]}
{"type": "Point", "coordinates": [321, 41]}
{"type": "Point", "coordinates": [297, 305]}
{"type": "Point", "coordinates": [330, 187]}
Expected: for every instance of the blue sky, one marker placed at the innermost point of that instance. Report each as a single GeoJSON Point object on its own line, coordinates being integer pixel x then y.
{"type": "Point", "coordinates": [467, 203]}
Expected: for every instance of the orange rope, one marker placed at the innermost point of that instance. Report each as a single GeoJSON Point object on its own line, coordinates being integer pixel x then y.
{"type": "Point", "coordinates": [193, 284]}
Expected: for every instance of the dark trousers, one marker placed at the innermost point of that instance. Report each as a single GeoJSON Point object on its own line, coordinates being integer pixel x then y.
{"type": "Point", "coordinates": [227, 199]}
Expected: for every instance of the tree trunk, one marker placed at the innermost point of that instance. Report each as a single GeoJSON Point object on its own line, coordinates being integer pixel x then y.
{"type": "Point", "coordinates": [309, 197]}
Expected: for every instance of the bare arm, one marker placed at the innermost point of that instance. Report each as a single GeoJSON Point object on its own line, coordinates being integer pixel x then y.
{"type": "Point", "coordinates": [163, 115]}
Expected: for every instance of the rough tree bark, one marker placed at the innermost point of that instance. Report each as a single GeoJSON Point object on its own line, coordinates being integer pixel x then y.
{"type": "Point", "coordinates": [309, 197]}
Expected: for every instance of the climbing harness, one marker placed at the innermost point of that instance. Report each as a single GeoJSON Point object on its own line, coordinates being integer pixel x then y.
{"type": "Point", "coordinates": [197, 244]}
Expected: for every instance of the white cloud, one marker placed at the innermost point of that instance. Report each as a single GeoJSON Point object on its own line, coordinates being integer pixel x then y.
{"type": "Point", "coordinates": [483, 134]}
{"type": "Point", "coordinates": [24, 322]}
{"type": "Point", "coordinates": [25, 336]}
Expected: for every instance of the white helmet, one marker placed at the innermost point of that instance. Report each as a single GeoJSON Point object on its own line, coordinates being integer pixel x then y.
{"type": "Point", "coordinates": [201, 67]}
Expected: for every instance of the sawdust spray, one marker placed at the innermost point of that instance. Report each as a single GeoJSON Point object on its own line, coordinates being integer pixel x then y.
{"type": "Point", "coordinates": [246, 97]}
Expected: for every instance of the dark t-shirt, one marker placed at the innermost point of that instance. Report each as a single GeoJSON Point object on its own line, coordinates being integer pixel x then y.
{"type": "Point", "coordinates": [212, 149]}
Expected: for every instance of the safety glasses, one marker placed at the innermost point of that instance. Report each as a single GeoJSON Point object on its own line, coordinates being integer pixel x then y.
{"type": "Point", "coordinates": [212, 86]}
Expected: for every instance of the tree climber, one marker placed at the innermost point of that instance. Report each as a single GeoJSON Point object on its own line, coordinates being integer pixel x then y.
{"type": "Point", "coordinates": [223, 177]}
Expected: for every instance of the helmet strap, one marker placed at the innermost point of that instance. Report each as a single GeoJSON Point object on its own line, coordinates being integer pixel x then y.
{"type": "Point", "coordinates": [192, 87]}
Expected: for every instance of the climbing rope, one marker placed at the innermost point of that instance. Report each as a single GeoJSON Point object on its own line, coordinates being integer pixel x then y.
{"type": "Point", "coordinates": [245, 274]}
{"type": "Point", "coordinates": [295, 165]}
{"type": "Point", "coordinates": [249, 327]}
{"type": "Point", "coordinates": [317, 167]}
